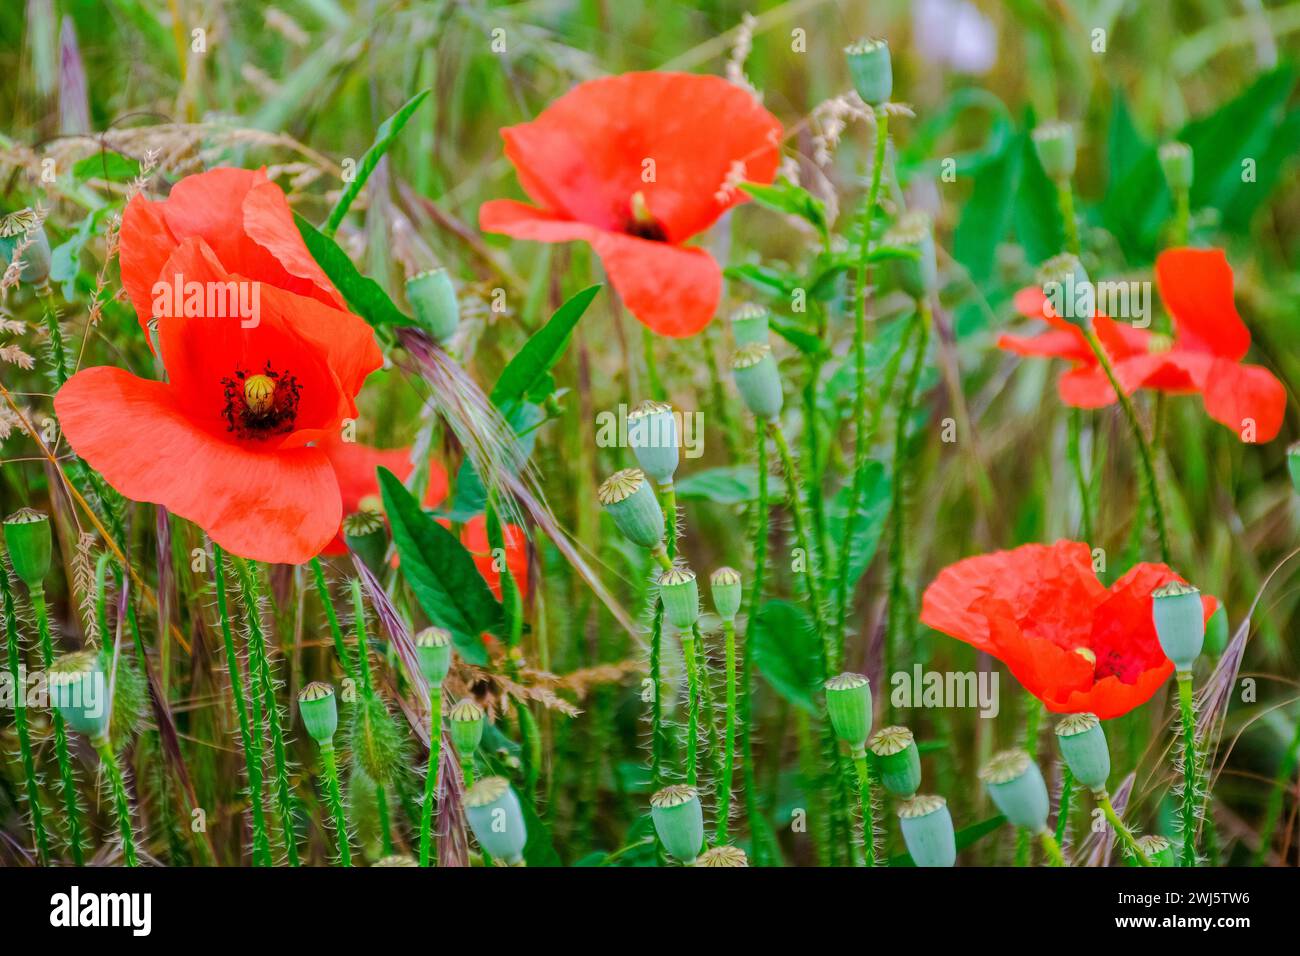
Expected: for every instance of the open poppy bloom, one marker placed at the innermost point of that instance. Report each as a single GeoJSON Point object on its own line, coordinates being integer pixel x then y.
{"type": "Point", "coordinates": [1075, 644]}
{"type": "Point", "coordinates": [1204, 356]}
{"type": "Point", "coordinates": [356, 468]}
{"type": "Point", "coordinates": [226, 441]}
{"type": "Point", "coordinates": [636, 165]}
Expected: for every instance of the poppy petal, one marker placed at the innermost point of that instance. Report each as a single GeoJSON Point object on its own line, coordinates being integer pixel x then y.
{"type": "Point", "coordinates": [1053, 344]}
{"type": "Point", "coordinates": [146, 243]}
{"type": "Point", "coordinates": [266, 505]}
{"type": "Point", "coordinates": [1238, 395]}
{"type": "Point", "coordinates": [1196, 286]}
{"type": "Point", "coordinates": [671, 289]}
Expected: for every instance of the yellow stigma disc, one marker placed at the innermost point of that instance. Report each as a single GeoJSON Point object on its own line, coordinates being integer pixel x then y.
{"type": "Point", "coordinates": [259, 393]}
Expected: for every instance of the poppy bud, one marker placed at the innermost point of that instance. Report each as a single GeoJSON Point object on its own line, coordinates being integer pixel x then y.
{"type": "Point", "coordinates": [1157, 849]}
{"type": "Point", "coordinates": [652, 433]}
{"type": "Point", "coordinates": [1070, 293]}
{"type": "Point", "coordinates": [848, 702]}
{"type": "Point", "coordinates": [681, 596]}
{"type": "Point", "coordinates": [1084, 747]}
{"type": "Point", "coordinates": [927, 830]}
{"type": "Point", "coordinates": [723, 856]}
{"type": "Point", "coordinates": [679, 821]}
{"type": "Point", "coordinates": [872, 72]}
{"type": "Point", "coordinates": [21, 226]}
{"type": "Point", "coordinates": [364, 533]}
{"type": "Point", "coordinates": [320, 712]}
{"type": "Point", "coordinates": [1176, 162]}
{"type": "Point", "coordinates": [749, 325]}
{"type": "Point", "coordinates": [396, 859]}
{"type": "Point", "coordinates": [433, 299]}
{"type": "Point", "coordinates": [1180, 622]}
{"type": "Point", "coordinates": [898, 759]}
{"type": "Point", "coordinates": [78, 687]}
{"type": "Point", "coordinates": [758, 380]}
{"type": "Point", "coordinates": [918, 276]}
{"type": "Point", "coordinates": [433, 649]}
{"type": "Point", "coordinates": [497, 819]}
{"type": "Point", "coordinates": [1216, 631]}
{"type": "Point", "coordinates": [27, 536]}
{"type": "Point", "coordinates": [1054, 144]}
{"type": "Point", "coordinates": [1017, 788]}
{"type": "Point", "coordinates": [376, 740]}
{"type": "Point", "coordinates": [725, 585]}
{"type": "Point", "coordinates": [629, 500]}
{"type": "Point", "coordinates": [466, 727]}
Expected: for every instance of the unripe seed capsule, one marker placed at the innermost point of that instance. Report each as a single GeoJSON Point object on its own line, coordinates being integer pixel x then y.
{"type": "Point", "coordinates": [467, 726]}
{"type": "Point", "coordinates": [723, 856]}
{"type": "Point", "coordinates": [749, 325]}
{"type": "Point", "coordinates": [497, 819]}
{"type": "Point", "coordinates": [652, 434]}
{"type": "Point", "coordinates": [681, 596]}
{"type": "Point", "coordinates": [872, 72]}
{"type": "Point", "coordinates": [14, 229]}
{"type": "Point", "coordinates": [364, 533]}
{"type": "Point", "coordinates": [1157, 849]}
{"type": "Point", "coordinates": [848, 703]}
{"type": "Point", "coordinates": [433, 299]}
{"type": "Point", "coordinates": [1179, 617]}
{"type": "Point", "coordinates": [726, 587]}
{"type": "Point", "coordinates": [320, 712]}
{"type": "Point", "coordinates": [1070, 293]}
{"type": "Point", "coordinates": [1084, 748]}
{"type": "Point", "coordinates": [433, 648]}
{"type": "Point", "coordinates": [927, 831]}
{"type": "Point", "coordinates": [628, 498]}
{"type": "Point", "coordinates": [78, 687]}
{"type": "Point", "coordinates": [1177, 164]}
{"type": "Point", "coordinates": [27, 536]}
{"type": "Point", "coordinates": [759, 381]}
{"type": "Point", "coordinates": [898, 759]}
{"type": "Point", "coordinates": [919, 276]}
{"type": "Point", "coordinates": [679, 820]}
{"type": "Point", "coordinates": [1054, 144]}
{"type": "Point", "coordinates": [1017, 788]}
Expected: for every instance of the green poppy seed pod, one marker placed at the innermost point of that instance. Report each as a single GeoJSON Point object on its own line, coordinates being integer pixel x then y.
{"type": "Point", "coordinates": [397, 859]}
{"type": "Point", "coordinates": [466, 727]}
{"type": "Point", "coordinates": [848, 702]}
{"type": "Point", "coordinates": [1177, 165]}
{"type": "Point", "coordinates": [727, 590]}
{"type": "Point", "coordinates": [749, 325]}
{"type": "Point", "coordinates": [680, 593]}
{"type": "Point", "coordinates": [433, 299]}
{"type": "Point", "coordinates": [21, 226]}
{"type": "Point", "coordinates": [1083, 745]}
{"type": "Point", "coordinates": [1017, 788]}
{"type": "Point", "coordinates": [898, 760]}
{"type": "Point", "coordinates": [1293, 465]}
{"type": "Point", "coordinates": [27, 536]}
{"type": "Point", "coordinates": [1180, 622]}
{"type": "Point", "coordinates": [628, 498]}
{"type": "Point", "coordinates": [1054, 144]}
{"type": "Point", "coordinates": [919, 276]}
{"type": "Point", "coordinates": [433, 648]}
{"type": "Point", "coordinates": [497, 819]}
{"type": "Point", "coordinates": [365, 534]}
{"type": "Point", "coordinates": [78, 687]}
{"type": "Point", "coordinates": [320, 712]}
{"type": "Point", "coordinates": [759, 381]}
{"type": "Point", "coordinates": [927, 830]}
{"type": "Point", "coordinates": [652, 433]}
{"type": "Point", "coordinates": [1070, 293]}
{"type": "Point", "coordinates": [1217, 632]}
{"type": "Point", "coordinates": [723, 856]}
{"type": "Point", "coordinates": [679, 820]}
{"type": "Point", "coordinates": [1157, 849]}
{"type": "Point", "coordinates": [871, 70]}
{"type": "Point", "coordinates": [376, 740]}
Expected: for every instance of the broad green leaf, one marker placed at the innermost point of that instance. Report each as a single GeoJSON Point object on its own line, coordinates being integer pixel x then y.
{"type": "Point", "coordinates": [986, 217]}
{"type": "Point", "coordinates": [868, 521]}
{"type": "Point", "coordinates": [1037, 213]}
{"type": "Point", "coordinates": [364, 295]}
{"type": "Point", "coordinates": [440, 571]}
{"type": "Point", "coordinates": [532, 363]}
{"type": "Point", "coordinates": [65, 258]}
{"type": "Point", "coordinates": [384, 137]}
{"type": "Point", "coordinates": [783, 646]}
{"type": "Point", "coordinates": [107, 165]}
{"type": "Point", "coordinates": [784, 196]}
{"type": "Point", "coordinates": [1137, 200]}
{"type": "Point", "coordinates": [790, 330]}
{"type": "Point", "coordinates": [730, 485]}
{"type": "Point", "coordinates": [764, 278]}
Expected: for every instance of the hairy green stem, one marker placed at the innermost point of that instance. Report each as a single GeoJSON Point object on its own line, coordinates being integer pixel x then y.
{"type": "Point", "coordinates": [1122, 832]}
{"type": "Point", "coordinates": [1051, 848]}
{"type": "Point", "coordinates": [1063, 809]}
{"type": "Point", "coordinates": [729, 760]}
{"type": "Point", "coordinates": [1065, 201]}
{"type": "Point", "coordinates": [693, 708]}
{"type": "Point", "coordinates": [39, 836]}
{"type": "Point", "coordinates": [335, 799]}
{"type": "Point", "coordinates": [868, 811]}
{"type": "Point", "coordinates": [431, 779]}
{"type": "Point", "coordinates": [121, 803]}
{"type": "Point", "coordinates": [759, 548]}
{"type": "Point", "coordinates": [67, 782]}
{"type": "Point", "coordinates": [336, 632]}
{"type": "Point", "coordinates": [1187, 730]}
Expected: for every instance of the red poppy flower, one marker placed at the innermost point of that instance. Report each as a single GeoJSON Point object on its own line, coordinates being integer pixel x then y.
{"type": "Point", "coordinates": [226, 440]}
{"type": "Point", "coordinates": [355, 466]}
{"type": "Point", "coordinates": [636, 165]}
{"type": "Point", "coordinates": [1075, 644]}
{"type": "Point", "coordinates": [474, 537]}
{"type": "Point", "coordinates": [1205, 355]}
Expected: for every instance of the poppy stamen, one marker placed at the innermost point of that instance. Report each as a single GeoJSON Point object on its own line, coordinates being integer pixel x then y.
{"type": "Point", "coordinates": [644, 225]}
{"type": "Point", "coordinates": [261, 404]}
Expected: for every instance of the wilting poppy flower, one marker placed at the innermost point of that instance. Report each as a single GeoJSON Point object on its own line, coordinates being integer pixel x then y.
{"type": "Point", "coordinates": [1204, 355]}
{"type": "Point", "coordinates": [636, 165]}
{"type": "Point", "coordinates": [1075, 644]}
{"type": "Point", "coordinates": [226, 440]}
{"type": "Point", "coordinates": [355, 466]}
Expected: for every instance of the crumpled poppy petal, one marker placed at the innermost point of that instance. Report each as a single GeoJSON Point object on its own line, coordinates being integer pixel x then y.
{"type": "Point", "coordinates": [266, 505]}
{"type": "Point", "coordinates": [1052, 344]}
{"type": "Point", "coordinates": [474, 537]}
{"type": "Point", "coordinates": [1196, 287]}
{"type": "Point", "coordinates": [268, 220]}
{"type": "Point", "coordinates": [145, 242]}
{"type": "Point", "coordinates": [1238, 395]}
{"type": "Point", "coordinates": [522, 221]}
{"type": "Point", "coordinates": [672, 290]}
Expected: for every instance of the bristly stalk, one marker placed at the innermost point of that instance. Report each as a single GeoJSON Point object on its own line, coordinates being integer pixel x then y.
{"type": "Point", "coordinates": [759, 548]}
{"type": "Point", "coordinates": [1187, 729]}
{"type": "Point", "coordinates": [121, 802]}
{"type": "Point", "coordinates": [658, 732]}
{"type": "Point", "coordinates": [729, 760]}
{"type": "Point", "coordinates": [67, 781]}
{"type": "Point", "coordinates": [336, 632]}
{"type": "Point", "coordinates": [252, 745]}
{"type": "Point", "coordinates": [335, 798]}
{"type": "Point", "coordinates": [1053, 849]}
{"type": "Point", "coordinates": [1065, 202]}
{"type": "Point", "coordinates": [39, 836]}
{"type": "Point", "coordinates": [1122, 832]}
{"type": "Point", "coordinates": [868, 811]}
{"type": "Point", "coordinates": [428, 849]}
{"type": "Point", "coordinates": [693, 708]}
{"type": "Point", "coordinates": [1063, 808]}
{"type": "Point", "coordinates": [367, 688]}
{"type": "Point", "coordinates": [58, 354]}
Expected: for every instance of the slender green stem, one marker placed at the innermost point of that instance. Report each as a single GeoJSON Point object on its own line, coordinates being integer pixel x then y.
{"type": "Point", "coordinates": [1032, 720]}
{"type": "Point", "coordinates": [385, 823]}
{"type": "Point", "coordinates": [431, 779]}
{"type": "Point", "coordinates": [811, 574]}
{"type": "Point", "coordinates": [1065, 201]}
{"type": "Point", "coordinates": [693, 708]}
{"type": "Point", "coordinates": [657, 390]}
{"type": "Point", "coordinates": [1076, 464]}
{"type": "Point", "coordinates": [335, 798]}
{"type": "Point", "coordinates": [868, 810]}
{"type": "Point", "coordinates": [1276, 795]}
{"type": "Point", "coordinates": [1182, 217]}
{"type": "Point", "coordinates": [252, 746]}
{"type": "Point", "coordinates": [669, 492]}
{"type": "Point", "coordinates": [340, 648]}
{"type": "Point", "coordinates": [1022, 846]}
{"type": "Point", "coordinates": [67, 782]}
{"type": "Point", "coordinates": [1188, 731]}
{"type": "Point", "coordinates": [1063, 810]}
{"type": "Point", "coordinates": [467, 770]}
{"type": "Point", "coordinates": [759, 548]}
{"type": "Point", "coordinates": [708, 713]}
{"type": "Point", "coordinates": [1144, 449]}
{"type": "Point", "coordinates": [1051, 848]}
{"type": "Point", "coordinates": [121, 803]}
{"type": "Point", "coordinates": [658, 732]}
{"type": "Point", "coordinates": [729, 761]}
{"type": "Point", "coordinates": [16, 675]}
{"type": "Point", "coordinates": [1122, 832]}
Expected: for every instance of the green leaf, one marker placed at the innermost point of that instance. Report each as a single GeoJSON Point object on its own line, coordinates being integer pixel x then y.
{"type": "Point", "coordinates": [790, 330]}
{"type": "Point", "coordinates": [385, 135]}
{"type": "Point", "coordinates": [764, 278]}
{"type": "Point", "coordinates": [65, 258]}
{"type": "Point", "coordinates": [366, 297]}
{"type": "Point", "coordinates": [987, 215]}
{"type": "Point", "coordinates": [868, 522]}
{"type": "Point", "coordinates": [1039, 226]}
{"type": "Point", "coordinates": [440, 571]}
{"type": "Point", "coordinates": [106, 165]}
{"type": "Point", "coordinates": [783, 646]}
{"type": "Point", "coordinates": [784, 196]}
{"type": "Point", "coordinates": [965, 837]}
{"type": "Point", "coordinates": [1137, 200]}
{"type": "Point", "coordinates": [731, 485]}
{"type": "Point", "coordinates": [532, 364]}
